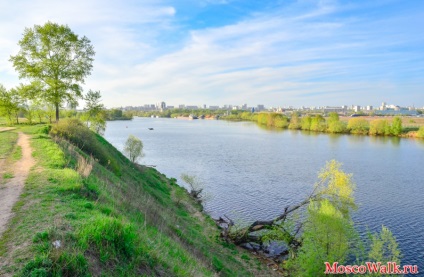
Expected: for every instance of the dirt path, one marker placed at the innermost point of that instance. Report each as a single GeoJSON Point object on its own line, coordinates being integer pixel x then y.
{"type": "Point", "coordinates": [10, 192]}
{"type": "Point", "coordinates": [4, 129]}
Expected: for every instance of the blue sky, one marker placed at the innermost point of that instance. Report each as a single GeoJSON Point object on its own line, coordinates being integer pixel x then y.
{"type": "Point", "coordinates": [216, 52]}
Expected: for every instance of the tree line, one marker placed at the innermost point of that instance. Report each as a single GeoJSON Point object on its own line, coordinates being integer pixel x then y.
{"type": "Point", "coordinates": [331, 124]}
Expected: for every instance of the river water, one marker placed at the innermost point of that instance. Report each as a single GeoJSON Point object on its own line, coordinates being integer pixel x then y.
{"type": "Point", "coordinates": [252, 172]}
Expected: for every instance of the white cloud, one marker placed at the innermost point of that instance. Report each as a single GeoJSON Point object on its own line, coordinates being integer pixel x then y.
{"type": "Point", "coordinates": [297, 55]}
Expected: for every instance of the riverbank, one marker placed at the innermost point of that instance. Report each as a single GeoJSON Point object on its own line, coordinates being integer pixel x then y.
{"type": "Point", "coordinates": [86, 210]}
{"type": "Point", "coordinates": [373, 126]}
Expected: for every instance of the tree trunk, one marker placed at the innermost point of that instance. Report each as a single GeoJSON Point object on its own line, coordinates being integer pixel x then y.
{"type": "Point", "coordinates": [57, 112]}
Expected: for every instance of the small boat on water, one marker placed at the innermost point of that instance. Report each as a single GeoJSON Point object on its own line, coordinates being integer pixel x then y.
{"type": "Point", "coordinates": [150, 129]}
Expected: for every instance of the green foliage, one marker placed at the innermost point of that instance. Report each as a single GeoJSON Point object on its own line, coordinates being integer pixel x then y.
{"type": "Point", "coordinates": [306, 123]}
{"type": "Point", "coordinates": [420, 133]}
{"type": "Point", "coordinates": [379, 127]}
{"type": "Point", "coordinates": [9, 104]}
{"type": "Point", "coordinates": [384, 247]}
{"type": "Point", "coordinates": [56, 61]}
{"type": "Point", "coordinates": [74, 131]}
{"type": "Point", "coordinates": [337, 127]}
{"type": "Point", "coordinates": [95, 114]}
{"type": "Point", "coordinates": [326, 238]}
{"type": "Point", "coordinates": [396, 128]}
{"type": "Point", "coordinates": [333, 117]}
{"type": "Point", "coordinates": [337, 187]}
{"type": "Point", "coordinates": [358, 126]}
{"type": "Point", "coordinates": [295, 121]}
{"type": "Point", "coordinates": [66, 264]}
{"type": "Point", "coordinates": [109, 237]}
{"type": "Point", "coordinates": [318, 124]}
{"type": "Point", "coordinates": [133, 148]}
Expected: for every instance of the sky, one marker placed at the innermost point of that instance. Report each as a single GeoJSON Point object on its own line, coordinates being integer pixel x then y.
{"type": "Point", "coordinates": [216, 52]}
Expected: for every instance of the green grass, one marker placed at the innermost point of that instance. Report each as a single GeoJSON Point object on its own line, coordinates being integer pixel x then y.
{"type": "Point", "coordinates": [7, 142]}
{"type": "Point", "coordinates": [7, 175]}
{"type": "Point", "coordinates": [17, 153]}
{"type": "Point", "coordinates": [125, 222]}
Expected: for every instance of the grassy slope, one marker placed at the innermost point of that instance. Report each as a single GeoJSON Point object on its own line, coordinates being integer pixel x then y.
{"type": "Point", "coordinates": [126, 223]}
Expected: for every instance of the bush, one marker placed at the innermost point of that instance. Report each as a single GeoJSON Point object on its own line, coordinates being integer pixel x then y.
{"type": "Point", "coordinates": [306, 123]}
{"type": "Point", "coordinates": [85, 139]}
{"type": "Point", "coordinates": [420, 133]}
{"type": "Point", "coordinates": [379, 127]}
{"type": "Point", "coordinates": [337, 127]}
{"type": "Point", "coordinates": [358, 126]}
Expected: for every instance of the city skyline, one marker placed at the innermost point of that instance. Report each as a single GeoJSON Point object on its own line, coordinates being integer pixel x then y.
{"type": "Point", "coordinates": [303, 52]}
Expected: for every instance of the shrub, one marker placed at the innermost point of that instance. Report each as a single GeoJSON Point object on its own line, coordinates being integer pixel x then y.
{"type": "Point", "coordinates": [396, 128]}
{"type": "Point", "coordinates": [85, 139]}
{"type": "Point", "coordinates": [358, 126]}
{"type": "Point", "coordinates": [295, 121]}
{"type": "Point", "coordinates": [318, 124]}
{"type": "Point", "coordinates": [379, 127]}
{"type": "Point", "coordinates": [306, 123]}
{"type": "Point", "coordinates": [337, 127]}
{"type": "Point", "coordinates": [420, 133]}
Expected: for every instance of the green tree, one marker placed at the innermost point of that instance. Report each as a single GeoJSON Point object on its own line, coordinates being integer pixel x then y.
{"type": "Point", "coordinates": [57, 60]}
{"type": "Point", "coordinates": [396, 128]}
{"type": "Point", "coordinates": [95, 115]}
{"type": "Point", "coordinates": [333, 117]}
{"type": "Point", "coordinates": [318, 124]}
{"type": "Point", "coordinates": [295, 121]}
{"type": "Point", "coordinates": [379, 127]}
{"type": "Point", "coordinates": [384, 247]}
{"type": "Point", "coordinates": [358, 126]}
{"type": "Point", "coordinates": [10, 102]}
{"type": "Point", "coordinates": [133, 148]}
{"type": "Point", "coordinates": [306, 123]}
{"type": "Point", "coordinates": [326, 238]}
{"type": "Point", "coordinates": [420, 133]}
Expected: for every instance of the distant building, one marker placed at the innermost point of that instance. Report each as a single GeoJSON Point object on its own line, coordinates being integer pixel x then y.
{"type": "Point", "coordinates": [341, 109]}
{"type": "Point", "coordinates": [356, 108]}
{"type": "Point", "coordinates": [369, 108]}
{"type": "Point", "coordinates": [213, 107]}
{"type": "Point", "coordinates": [260, 107]}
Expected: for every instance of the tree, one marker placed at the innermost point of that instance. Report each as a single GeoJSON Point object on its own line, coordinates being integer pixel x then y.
{"type": "Point", "coordinates": [396, 129]}
{"type": "Point", "coordinates": [379, 127]}
{"type": "Point", "coordinates": [95, 115]}
{"type": "Point", "coordinates": [133, 148]}
{"type": "Point", "coordinates": [196, 187]}
{"type": "Point", "coordinates": [306, 123]}
{"type": "Point", "coordinates": [295, 121]}
{"type": "Point", "coordinates": [57, 60]}
{"type": "Point", "coordinates": [384, 247]}
{"type": "Point", "coordinates": [420, 133]}
{"type": "Point", "coordinates": [358, 126]}
{"type": "Point", "coordinates": [318, 124]}
{"type": "Point", "coordinates": [10, 104]}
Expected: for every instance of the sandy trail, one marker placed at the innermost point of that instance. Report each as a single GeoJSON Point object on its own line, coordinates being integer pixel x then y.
{"type": "Point", "coordinates": [4, 129]}
{"type": "Point", "coordinates": [10, 192]}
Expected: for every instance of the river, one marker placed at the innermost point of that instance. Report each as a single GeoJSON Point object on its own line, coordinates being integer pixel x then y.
{"type": "Point", "coordinates": [252, 172]}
